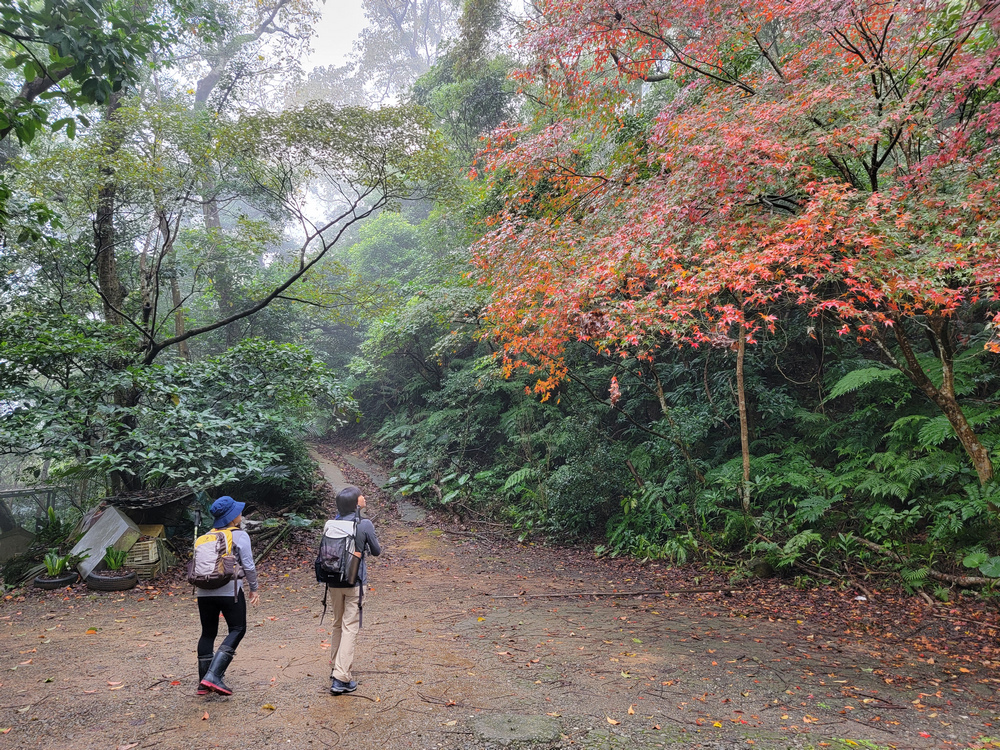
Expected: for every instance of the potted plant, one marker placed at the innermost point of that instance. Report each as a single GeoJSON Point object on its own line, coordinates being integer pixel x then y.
{"type": "Point", "coordinates": [58, 573]}
{"type": "Point", "coordinates": [113, 576]}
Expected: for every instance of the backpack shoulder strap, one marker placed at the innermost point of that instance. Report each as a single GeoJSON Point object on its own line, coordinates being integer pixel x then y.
{"type": "Point", "coordinates": [227, 532]}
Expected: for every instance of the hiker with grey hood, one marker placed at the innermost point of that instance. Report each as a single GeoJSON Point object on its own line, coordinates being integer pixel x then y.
{"type": "Point", "coordinates": [347, 595]}
{"type": "Point", "coordinates": [228, 599]}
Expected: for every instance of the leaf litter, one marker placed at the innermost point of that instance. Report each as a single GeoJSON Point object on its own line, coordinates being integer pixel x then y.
{"type": "Point", "coordinates": [815, 663]}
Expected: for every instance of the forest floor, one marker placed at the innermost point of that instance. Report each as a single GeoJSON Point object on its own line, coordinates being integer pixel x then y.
{"type": "Point", "coordinates": [459, 650]}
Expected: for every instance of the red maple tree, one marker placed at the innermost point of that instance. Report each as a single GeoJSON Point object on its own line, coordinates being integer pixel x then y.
{"type": "Point", "coordinates": [841, 156]}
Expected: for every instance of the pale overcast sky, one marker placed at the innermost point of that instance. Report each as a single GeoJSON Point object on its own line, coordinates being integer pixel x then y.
{"type": "Point", "coordinates": [336, 31]}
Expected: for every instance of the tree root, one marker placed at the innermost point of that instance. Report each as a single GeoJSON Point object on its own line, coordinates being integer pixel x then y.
{"type": "Point", "coordinates": [963, 581]}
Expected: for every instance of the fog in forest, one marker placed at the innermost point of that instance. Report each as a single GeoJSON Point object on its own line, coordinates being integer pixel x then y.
{"type": "Point", "coordinates": [686, 284]}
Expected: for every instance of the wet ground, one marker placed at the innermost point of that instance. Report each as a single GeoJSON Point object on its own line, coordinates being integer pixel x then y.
{"type": "Point", "coordinates": [470, 641]}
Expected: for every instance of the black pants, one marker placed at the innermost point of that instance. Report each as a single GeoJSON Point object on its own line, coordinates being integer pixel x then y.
{"type": "Point", "coordinates": [235, 612]}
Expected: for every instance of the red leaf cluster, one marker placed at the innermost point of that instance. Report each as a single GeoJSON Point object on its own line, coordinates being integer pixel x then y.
{"type": "Point", "coordinates": [840, 156]}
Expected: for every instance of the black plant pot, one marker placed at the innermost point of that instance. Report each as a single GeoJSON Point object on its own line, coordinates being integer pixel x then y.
{"type": "Point", "coordinates": [112, 580]}
{"type": "Point", "coordinates": [50, 583]}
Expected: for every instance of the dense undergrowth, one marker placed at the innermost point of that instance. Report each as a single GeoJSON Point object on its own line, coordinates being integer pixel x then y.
{"type": "Point", "coordinates": [848, 460]}
{"type": "Point", "coordinates": [578, 319]}
{"type": "Point", "coordinates": [553, 315]}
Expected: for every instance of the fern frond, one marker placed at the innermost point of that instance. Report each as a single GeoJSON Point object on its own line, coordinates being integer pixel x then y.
{"type": "Point", "coordinates": [935, 431]}
{"type": "Point", "coordinates": [878, 485]}
{"type": "Point", "coordinates": [852, 381]}
{"type": "Point", "coordinates": [519, 477]}
{"type": "Point", "coordinates": [914, 575]}
{"type": "Point", "coordinates": [812, 508]}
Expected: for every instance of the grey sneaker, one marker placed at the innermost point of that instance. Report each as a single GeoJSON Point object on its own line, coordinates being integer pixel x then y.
{"type": "Point", "coordinates": [339, 688]}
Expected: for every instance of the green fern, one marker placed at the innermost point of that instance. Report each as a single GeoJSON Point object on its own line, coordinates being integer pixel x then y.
{"type": "Point", "coordinates": [879, 485]}
{"type": "Point", "coordinates": [852, 381]}
{"type": "Point", "coordinates": [795, 546]}
{"type": "Point", "coordinates": [814, 507]}
{"type": "Point", "coordinates": [942, 593]}
{"type": "Point", "coordinates": [914, 577]}
{"type": "Point", "coordinates": [935, 431]}
{"type": "Point", "coordinates": [520, 476]}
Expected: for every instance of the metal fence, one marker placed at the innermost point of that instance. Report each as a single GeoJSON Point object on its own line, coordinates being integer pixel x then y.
{"type": "Point", "coordinates": [25, 507]}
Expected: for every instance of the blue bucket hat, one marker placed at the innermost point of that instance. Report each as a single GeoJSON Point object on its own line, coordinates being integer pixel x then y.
{"type": "Point", "coordinates": [224, 510]}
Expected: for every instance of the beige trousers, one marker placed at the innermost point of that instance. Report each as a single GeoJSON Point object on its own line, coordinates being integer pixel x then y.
{"type": "Point", "coordinates": [346, 623]}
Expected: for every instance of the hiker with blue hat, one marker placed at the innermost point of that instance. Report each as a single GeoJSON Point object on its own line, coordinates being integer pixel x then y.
{"type": "Point", "coordinates": [222, 560]}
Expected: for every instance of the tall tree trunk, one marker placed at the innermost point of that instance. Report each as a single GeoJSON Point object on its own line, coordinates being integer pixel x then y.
{"type": "Point", "coordinates": [105, 260]}
{"type": "Point", "coordinates": [177, 301]}
{"type": "Point", "coordinates": [944, 396]}
{"type": "Point", "coordinates": [741, 398]}
{"type": "Point", "coordinates": [110, 286]}
{"type": "Point", "coordinates": [677, 440]}
{"type": "Point", "coordinates": [220, 273]}
{"type": "Point", "coordinates": [222, 278]}
{"type": "Point", "coordinates": [175, 297]}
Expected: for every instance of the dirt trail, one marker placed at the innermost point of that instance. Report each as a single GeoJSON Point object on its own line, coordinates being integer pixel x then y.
{"type": "Point", "coordinates": [444, 663]}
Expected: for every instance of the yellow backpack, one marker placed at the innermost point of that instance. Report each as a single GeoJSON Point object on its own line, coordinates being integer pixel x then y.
{"type": "Point", "coordinates": [213, 564]}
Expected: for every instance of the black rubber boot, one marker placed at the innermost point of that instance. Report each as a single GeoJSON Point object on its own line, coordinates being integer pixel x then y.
{"type": "Point", "coordinates": [204, 662]}
{"type": "Point", "coordinates": [217, 670]}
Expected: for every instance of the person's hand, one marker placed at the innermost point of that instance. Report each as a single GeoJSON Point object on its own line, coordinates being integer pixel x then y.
{"type": "Point", "coordinates": [254, 597]}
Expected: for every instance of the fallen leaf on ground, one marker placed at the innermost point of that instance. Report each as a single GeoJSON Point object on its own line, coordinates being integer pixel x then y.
{"type": "Point", "coordinates": [205, 717]}
{"type": "Point", "coordinates": [553, 713]}
{"type": "Point", "coordinates": [611, 721]}
{"type": "Point", "coordinates": [129, 746]}
{"type": "Point", "coordinates": [631, 710]}
{"type": "Point", "coordinates": [25, 663]}
{"type": "Point", "coordinates": [114, 683]}
{"type": "Point", "coordinates": [450, 723]}
{"type": "Point", "coordinates": [268, 706]}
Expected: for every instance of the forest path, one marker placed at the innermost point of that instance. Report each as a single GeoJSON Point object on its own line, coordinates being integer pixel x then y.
{"type": "Point", "coordinates": [444, 661]}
